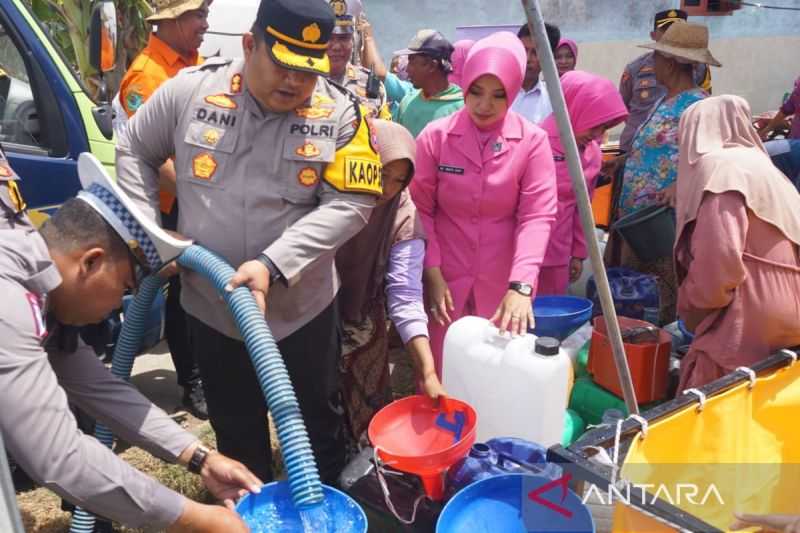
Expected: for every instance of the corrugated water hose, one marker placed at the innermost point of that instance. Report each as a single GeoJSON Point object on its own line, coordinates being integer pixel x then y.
{"type": "Point", "coordinates": [303, 476]}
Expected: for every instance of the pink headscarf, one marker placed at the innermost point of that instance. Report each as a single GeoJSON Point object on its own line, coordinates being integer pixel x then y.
{"type": "Point", "coordinates": [720, 151]}
{"type": "Point", "coordinates": [460, 50]}
{"type": "Point", "coordinates": [591, 101]}
{"type": "Point", "coordinates": [500, 54]}
{"type": "Point", "coordinates": [572, 45]}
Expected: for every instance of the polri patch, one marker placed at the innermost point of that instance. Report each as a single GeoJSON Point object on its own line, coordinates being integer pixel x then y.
{"type": "Point", "coordinates": [308, 177]}
{"type": "Point", "coordinates": [313, 130]}
{"type": "Point", "coordinates": [204, 166]}
{"type": "Point", "coordinates": [5, 170]}
{"type": "Point", "coordinates": [451, 170]}
{"type": "Point", "coordinates": [221, 100]}
{"type": "Point", "coordinates": [362, 175]}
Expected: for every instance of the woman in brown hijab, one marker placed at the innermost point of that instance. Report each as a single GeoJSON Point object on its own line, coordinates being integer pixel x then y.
{"type": "Point", "coordinates": [381, 269]}
{"type": "Point", "coordinates": [736, 253]}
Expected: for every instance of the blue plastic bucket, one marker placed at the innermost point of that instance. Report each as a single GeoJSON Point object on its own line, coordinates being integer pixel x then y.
{"type": "Point", "coordinates": [560, 316]}
{"type": "Point", "coordinates": [273, 511]}
{"type": "Point", "coordinates": [504, 503]}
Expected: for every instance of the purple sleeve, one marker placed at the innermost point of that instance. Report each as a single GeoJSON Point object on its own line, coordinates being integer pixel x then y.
{"type": "Point", "coordinates": [404, 289]}
{"type": "Point", "coordinates": [790, 106]}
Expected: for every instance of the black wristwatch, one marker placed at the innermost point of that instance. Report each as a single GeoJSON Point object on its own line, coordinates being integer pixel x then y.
{"type": "Point", "coordinates": [198, 459]}
{"type": "Point", "coordinates": [522, 288]}
{"type": "Point", "coordinates": [274, 273]}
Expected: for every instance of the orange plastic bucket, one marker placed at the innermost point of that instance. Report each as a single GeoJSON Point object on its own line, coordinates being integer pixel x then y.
{"type": "Point", "coordinates": [418, 436]}
{"type": "Point", "coordinates": [601, 206]}
{"type": "Point", "coordinates": [649, 363]}
{"type": "Point", "coordinates": [601, 200]}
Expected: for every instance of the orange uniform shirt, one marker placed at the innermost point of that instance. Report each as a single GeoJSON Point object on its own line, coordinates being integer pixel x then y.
{"type": "Point", "coordinates": [153, 66]}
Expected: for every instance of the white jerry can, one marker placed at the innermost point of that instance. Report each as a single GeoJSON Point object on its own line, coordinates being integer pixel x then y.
{"type": "Point", "coordinates": [518, 386]}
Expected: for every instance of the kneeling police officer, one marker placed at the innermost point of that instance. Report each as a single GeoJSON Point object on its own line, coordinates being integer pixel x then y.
{"type": "Point", "coordinates": [55, 282]}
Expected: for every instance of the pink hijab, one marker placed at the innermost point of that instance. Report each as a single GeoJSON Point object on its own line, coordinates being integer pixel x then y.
{"type": "Point", "coordinates": [500, 54]}
{"type": "Point", "coordinates": [591, 101]}
{"type": "Point", "coordinates": [461, 48]}
{"type": "Point", "coordinates": [572, 45]}
{"type": "Point", "coordinates": [720, 151]}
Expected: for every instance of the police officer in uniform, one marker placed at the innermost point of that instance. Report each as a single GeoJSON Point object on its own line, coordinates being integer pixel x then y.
{"type": "Point", "coordinates": [55, 284]}
{"type": "Point", "coordinates": [357, 79]}
{"type": "Point", "coordinates": [638, 85]}
{"type": "Point", "coordinates": [13, 211]}
{"type": "Point", "coordinates": [275, 170]}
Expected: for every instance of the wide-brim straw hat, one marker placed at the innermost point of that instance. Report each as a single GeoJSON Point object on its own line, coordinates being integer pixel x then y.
{"type": "Point", "coordinates": [172, 9]}
{"type": "Point", "coordinates": [685, 41]}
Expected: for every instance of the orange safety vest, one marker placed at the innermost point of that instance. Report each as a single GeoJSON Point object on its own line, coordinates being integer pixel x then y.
{"type": "Point", "coordinates": [153, 66]}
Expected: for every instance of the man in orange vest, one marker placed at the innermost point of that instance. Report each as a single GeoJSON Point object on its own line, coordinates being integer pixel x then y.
{"type": "Point", "coordinates": [181, 25]}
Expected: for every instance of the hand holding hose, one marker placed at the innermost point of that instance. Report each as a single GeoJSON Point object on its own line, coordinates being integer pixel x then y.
{"type": "Point", "coordinates": [255, 276]}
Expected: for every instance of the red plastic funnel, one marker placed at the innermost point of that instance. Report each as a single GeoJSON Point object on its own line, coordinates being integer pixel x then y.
{"type": "Point", "coordinates": [415, 435]}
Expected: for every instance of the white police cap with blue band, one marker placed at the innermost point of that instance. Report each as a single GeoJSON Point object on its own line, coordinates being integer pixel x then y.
{"type": "Point", "coordinates": [140, 233]}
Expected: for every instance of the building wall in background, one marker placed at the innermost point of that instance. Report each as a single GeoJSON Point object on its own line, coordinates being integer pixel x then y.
{"type": "Point", "coordinates": [758, 47]}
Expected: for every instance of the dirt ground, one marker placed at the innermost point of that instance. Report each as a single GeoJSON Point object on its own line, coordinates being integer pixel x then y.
{"type": "Point", "coordinates": [154, 375]}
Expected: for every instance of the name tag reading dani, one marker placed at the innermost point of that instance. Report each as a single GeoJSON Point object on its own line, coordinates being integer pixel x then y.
{"type": "Point", "coordinates": [451, 170]}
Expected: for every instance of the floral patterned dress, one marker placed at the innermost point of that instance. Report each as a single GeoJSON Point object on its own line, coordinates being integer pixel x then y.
{"type": "Point", "coordinates": [652, 164]}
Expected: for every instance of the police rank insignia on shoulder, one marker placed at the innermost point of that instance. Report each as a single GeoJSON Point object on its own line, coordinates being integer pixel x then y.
{"type": "Point", "coordinates": [236, 84]}
{"type": "Point", "coordinates": [204, 166]}
{"type": "Point", "coordinates": [308, 150]}
{"type": "Point", "coordinates": [221, 100]}
{"type": "Point", "coordinates": [314, 113]}
{"type": "Point", "coordinates": [308, 177]}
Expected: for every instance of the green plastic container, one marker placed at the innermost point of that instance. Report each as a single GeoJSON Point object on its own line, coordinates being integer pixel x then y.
{"type": "Point", "coordinates": [574, 427]}
{"type": "Point", "coordinates": [590, 401]}
{"type": "Point", "coordinates": [650, 231]}
{"type": "Point", "coordinates": [582, 362]}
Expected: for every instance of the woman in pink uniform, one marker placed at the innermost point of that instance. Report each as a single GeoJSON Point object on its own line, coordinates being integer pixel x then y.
{"type": "Point", "coordinates": [485, 189]}
{"type": "Point", "coordinates": [594, 105]}
{"type": "Point", "coordinates": [737, 253]}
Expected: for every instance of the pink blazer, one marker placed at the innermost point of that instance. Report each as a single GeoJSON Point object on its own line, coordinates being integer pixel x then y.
{"type": "Point", "coordinates": [487, 214]}
{"type": "Point", "coordinates": [567, 239]}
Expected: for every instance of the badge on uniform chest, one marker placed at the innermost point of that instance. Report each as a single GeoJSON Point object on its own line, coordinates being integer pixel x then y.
{"type": "Point", "coordinates": [450, 169]}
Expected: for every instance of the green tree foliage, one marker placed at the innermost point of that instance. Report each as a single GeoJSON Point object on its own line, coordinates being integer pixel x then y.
{"type": "Point", "coordinates": [68, 22]}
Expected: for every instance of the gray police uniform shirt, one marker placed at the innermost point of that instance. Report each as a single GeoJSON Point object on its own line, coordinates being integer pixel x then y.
{"type": "Point", "coordinates": [13, 212]}
{"type": "Point", "coordinates": [249, 181]}
{"type": "Point", "coordinates": [640, 92]}
{"type": "Point", "coordinates": [40, 430]}
{"type": "Point", "coordinates": [355, 80]}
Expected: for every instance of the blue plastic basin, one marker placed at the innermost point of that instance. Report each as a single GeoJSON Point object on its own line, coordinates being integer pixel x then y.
{"type": "Point", "coordinates": [503, 503]}
{"type": "Point", "coordinates": [560, 316]}
{"type": "Point", "coordinates": [273, 511]}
